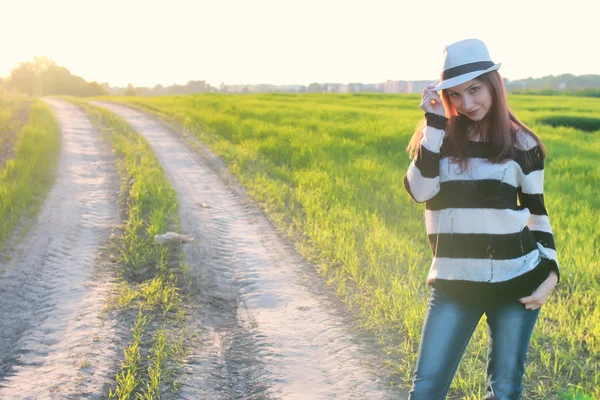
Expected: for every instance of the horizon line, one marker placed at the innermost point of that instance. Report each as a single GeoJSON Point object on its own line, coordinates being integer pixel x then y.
{"type": "Point", "coordinates": [331, 83]}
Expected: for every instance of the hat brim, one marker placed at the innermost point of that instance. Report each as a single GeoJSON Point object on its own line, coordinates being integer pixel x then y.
{"type": "Point", "coordinates": [458, 80]}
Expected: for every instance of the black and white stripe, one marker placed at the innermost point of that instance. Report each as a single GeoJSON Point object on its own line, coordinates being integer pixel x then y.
{"type": "Point", "coordinates": [488, 223]}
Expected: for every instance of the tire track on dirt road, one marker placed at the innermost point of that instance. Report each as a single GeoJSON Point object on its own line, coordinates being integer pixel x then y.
{"type": "Point", "coordinates": [264, 331]}
{"type": "Point", "coordinates": [53, 342]}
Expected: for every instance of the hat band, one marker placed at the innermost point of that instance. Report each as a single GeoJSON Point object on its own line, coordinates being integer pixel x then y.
{"type": "Point", "coordinates": [466, 68]}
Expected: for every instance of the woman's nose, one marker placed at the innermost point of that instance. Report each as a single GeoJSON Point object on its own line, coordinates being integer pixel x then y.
{"type": "Point", "coordinates": [467, 102]}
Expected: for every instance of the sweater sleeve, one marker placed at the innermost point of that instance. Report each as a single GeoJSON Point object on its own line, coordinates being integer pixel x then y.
{"type": "Point", "coordinates": [531, 195]}
{"type": "Point", "coordinates": [422, 180]}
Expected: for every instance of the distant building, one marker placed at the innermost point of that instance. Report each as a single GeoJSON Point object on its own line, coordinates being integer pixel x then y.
{"type": "Point", "coordinates": [369, 87]}
{"type": "Point", "coordinates": [355, 87]}
{"type": "Point", "coordinates": [333, 87]}
{"type": "Point", "coordinates": [418, 86]}
{"type": "Point", "coordinates": [395, 86]}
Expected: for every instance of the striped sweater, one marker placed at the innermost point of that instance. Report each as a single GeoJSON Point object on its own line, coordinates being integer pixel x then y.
{"type": "Point", "coordinates": [481, 238]}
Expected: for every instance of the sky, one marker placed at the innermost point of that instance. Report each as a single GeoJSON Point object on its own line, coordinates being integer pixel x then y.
{"type": "Point", "coordinates": [294, 41]}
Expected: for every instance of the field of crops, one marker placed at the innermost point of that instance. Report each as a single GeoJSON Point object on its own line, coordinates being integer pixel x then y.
{"type": "Point", "coordinates": [328, 170]}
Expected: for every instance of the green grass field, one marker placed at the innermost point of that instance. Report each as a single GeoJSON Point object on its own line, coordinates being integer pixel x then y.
{"type": "Point", "coordinates": [328, 170]}
{"type": "Point", "coordinates": [29, 151]}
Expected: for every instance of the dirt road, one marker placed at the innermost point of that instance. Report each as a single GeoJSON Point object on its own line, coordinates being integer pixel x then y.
{"type": "Point", "coordinates": [266, 327]}
{"type": "Point", "coordinates": [53, 343]}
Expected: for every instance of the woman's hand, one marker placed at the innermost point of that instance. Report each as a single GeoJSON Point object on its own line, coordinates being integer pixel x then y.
{"type": "Point", "coordinates": [431, 101]}
{"type": "Point", "coordinates": [540, 295]}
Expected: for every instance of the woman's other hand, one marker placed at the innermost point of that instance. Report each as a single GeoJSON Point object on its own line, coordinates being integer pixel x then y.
{"type": "Point", "coordinates": [540, 295]}
{"type": "Point", "coordinates": [431, 101]}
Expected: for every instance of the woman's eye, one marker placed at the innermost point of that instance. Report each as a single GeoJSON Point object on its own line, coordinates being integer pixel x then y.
{"type": "Point", "coordinates": [473, 90]}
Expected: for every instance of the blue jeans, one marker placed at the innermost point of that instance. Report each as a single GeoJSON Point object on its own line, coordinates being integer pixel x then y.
{"type": "Point", "coordinates": [447, 330]}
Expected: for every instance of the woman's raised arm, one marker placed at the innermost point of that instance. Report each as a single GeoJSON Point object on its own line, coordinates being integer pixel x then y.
{"type": "Point", "coordinates": [422, 180]}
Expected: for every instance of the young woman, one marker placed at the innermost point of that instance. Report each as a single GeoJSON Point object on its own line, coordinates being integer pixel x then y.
{"type": "Point", "coordinates": [480, 172]}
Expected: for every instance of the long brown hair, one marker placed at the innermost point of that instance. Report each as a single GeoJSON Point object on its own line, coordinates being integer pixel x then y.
{"type": "Point", "coordinates": [499, 127]}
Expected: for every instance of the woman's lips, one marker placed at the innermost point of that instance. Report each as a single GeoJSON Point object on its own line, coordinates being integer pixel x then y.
{"type": "Point", "coordinates": [474, 112]}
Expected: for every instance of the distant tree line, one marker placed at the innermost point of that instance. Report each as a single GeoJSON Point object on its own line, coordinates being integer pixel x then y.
{"type": "Point", "coordinates": [565, 84]}
{"type": "Point", "coordinates": [190, 88]}
{"type": "Point", "coordinates": [556, 92]}
{"type": "Point", "coordinates": [43, 76]}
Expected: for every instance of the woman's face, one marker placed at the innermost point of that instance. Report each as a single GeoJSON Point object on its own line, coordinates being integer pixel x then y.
{"type": "Point", "coordinates": [472, 98]}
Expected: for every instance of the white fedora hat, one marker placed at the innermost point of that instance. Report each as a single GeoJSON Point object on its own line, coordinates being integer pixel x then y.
{"type": "Point", "coordinates": [463, 61]}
